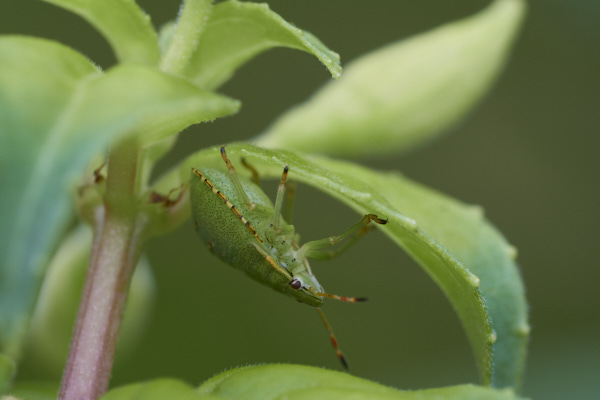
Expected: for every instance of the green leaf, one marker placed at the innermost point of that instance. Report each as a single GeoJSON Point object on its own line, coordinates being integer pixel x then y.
{"type": "Point", "coordinates": [238, 31]}
{"type": "Point", "coordinates": [7, 372]}
{"type": "Point", "coordinates": [38, 80]}
{"type": "Point", "coordinates": [124, 25]}
{"type": "Point", "coordinates": [298, 382]}
{"type": "Point", "coordinates": [404, 94]}
{"type": "Point", "coordinates": [159, 389]}
{"type": "Point", "coordinates": [33, 390]}
{"type": "Point", "coordinates": [56, 111]}
{"type": "Point", "coordinates": [155, 105]}
{"type": "Point", "coordinates": [462, 252]}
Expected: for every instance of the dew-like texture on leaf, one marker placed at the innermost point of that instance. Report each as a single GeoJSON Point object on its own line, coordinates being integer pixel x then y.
{"type": "Point", "coordinates": [299, 382]}
{"type": "Point", "coordinates": [159, 389]}
{"type": "Point", "coordinates": [403, 94]}
{"type": "Point", "coordinates": [462, 252]}
{"type": "Point", "coordinates": [124, 25]}
{"type": "Point", "coordinates": [238, 31]}
{"type": "Point", "coordinates": [56, 111]}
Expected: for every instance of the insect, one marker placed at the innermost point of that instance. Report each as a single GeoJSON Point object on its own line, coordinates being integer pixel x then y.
{"type": "Point", "coordinates": [240, 225]}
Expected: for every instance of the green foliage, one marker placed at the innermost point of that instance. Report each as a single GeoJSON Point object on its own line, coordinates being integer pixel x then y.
{"type": "Point", "coordinates": [470, 261]}
{"type": "Point", "coordinates": [124, 25]}
{"type": "Point", "coordinates": [58, 111]}
{"type": "Point", "coordinates": [239, 31]}
{"type": "Point", "coordinates": [59, 114]}
{"type": "Point", "coordinates": [403, 94]}
{"type": "Point", "coordinates": [298, 382]}
{"type": "Point", "coordinates": [157, 390]}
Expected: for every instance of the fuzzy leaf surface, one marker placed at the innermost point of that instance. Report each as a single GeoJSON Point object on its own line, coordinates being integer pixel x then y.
{"type": "Point", "coordinates": [463, 253]}
{"type": "Point", "coordinates": [238, 31]}
{"type": "Point", "coordinates": [299, 382]}
{"type": "Point", "coordinates": [406, 93]}
{"type": "Point", "coordinates": [158, 389]}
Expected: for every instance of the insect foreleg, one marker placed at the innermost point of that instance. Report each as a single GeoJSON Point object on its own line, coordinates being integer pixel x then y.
{"type": "Point", "coordinates": [309, 247]}
{"type": "Point", "coordinates": [271, 261]}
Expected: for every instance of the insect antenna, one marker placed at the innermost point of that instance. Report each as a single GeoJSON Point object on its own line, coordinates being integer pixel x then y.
{"type": "Point", "coordinates": [333, 339]}
{"type": "Point", "coordinates": [343, 298]}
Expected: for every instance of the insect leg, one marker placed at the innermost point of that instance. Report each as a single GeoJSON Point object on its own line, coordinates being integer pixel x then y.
{"type": "Point", "coordinates": [166, 199]}
{"type": "Point", "coordinates": [345, 245]}
{"type": "Point", "coordinates": [271, 261]}
{"type": "Point", "coordinates": [237, 184]}
{"type": "Point", "coordinates": [279, 200]}
{"type": "Point", "coordinates": [333, 339]}
{"type": "Point", "coordinates": [287, 213]}
{"type": "Point", "coordinates": [308, 249]}
{"type": "Point", "coordinates": [252, 170]}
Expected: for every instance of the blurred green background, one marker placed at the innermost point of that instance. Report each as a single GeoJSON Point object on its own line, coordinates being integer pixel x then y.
{"type": "Point", "coordinates": [528, 154]}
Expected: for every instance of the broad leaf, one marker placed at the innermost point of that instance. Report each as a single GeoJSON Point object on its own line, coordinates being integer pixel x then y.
{"type": "Point", "coordinates": [406, 93]}
{"type": "Point", "coordinates": [56, 111]}
{"type": "Point", "coordinates": [298, 382]}
{"type": "Point", "coordinates": [238, 31]}
{"type": "Point", "coordinates": [465, 255]}
{"type": "Point", "coordinates": [159, 389]}
{"type": "Point", "coordinates": [124, 25]}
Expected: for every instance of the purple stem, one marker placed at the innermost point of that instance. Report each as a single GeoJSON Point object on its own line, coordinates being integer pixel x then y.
{"type": "Point", "coordinates": [116, 249]}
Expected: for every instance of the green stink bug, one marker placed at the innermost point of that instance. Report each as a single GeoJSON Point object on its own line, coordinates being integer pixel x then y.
{"type": "Point", "coordinates": [240, 225]}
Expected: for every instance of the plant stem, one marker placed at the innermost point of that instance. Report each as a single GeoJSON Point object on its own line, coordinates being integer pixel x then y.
{"type": "Point", "coordinates": [190, 25]}
{"type": "Point", "coordinates": [116, 249]}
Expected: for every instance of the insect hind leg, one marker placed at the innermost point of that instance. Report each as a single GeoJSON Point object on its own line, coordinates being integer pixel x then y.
{"type": "Point", "coordinates": [355, 232]}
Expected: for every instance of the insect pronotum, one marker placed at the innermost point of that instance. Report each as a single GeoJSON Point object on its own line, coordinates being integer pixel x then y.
{"type": "Point", "coordinates": [240, 225]}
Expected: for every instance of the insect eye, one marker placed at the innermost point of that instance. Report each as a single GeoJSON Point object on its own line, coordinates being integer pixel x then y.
{"type": "Point", "coordinates": [296, 284]}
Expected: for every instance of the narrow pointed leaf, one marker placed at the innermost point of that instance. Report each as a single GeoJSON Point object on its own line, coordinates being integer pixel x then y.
{"type": "Point", "coordinates": [462, 252]}
{"type": "Point", "coordinates": [299, 382]}
{"type": "Point", "coordinates": [238, 31]}
{"type": "Point", "coordinates": [124, 25]}
{"type": "Point", "coordinates": [56, 111]}
{"type": "Point", "coordinates": [404, 94]}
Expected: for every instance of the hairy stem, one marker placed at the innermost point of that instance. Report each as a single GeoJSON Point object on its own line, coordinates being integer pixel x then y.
{"type": "Point", "coordinates": [118, 238]}
{"type": "Point", "coordinates": [190, 25]}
